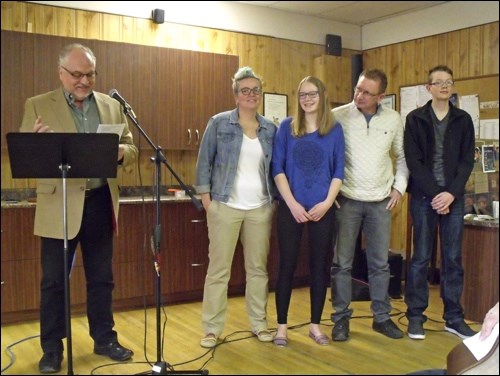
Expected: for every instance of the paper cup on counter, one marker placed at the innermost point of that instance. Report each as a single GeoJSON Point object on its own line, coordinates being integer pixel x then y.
{"type": "Point", "coordinates": [495, 209]}
{"type": "Point", "coordinates": [180, 193]}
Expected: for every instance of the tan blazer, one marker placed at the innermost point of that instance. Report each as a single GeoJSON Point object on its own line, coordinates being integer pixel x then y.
{"type": "Point", "coordinates": [55, 112]}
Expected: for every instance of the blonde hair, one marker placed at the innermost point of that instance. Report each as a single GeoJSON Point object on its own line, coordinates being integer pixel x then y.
{"type": "Point", "coordinates": [326, 120]}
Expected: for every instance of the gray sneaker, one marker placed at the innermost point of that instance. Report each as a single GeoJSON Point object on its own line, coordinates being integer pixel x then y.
{"type": "Point", "coordinates": [460, 328]}
{"type": "Point", "coordinates": [340, 331]}
{"type": "Point", "coordinates": [416, 329]}
{"type": "Point", "coordinates": [388, 328]}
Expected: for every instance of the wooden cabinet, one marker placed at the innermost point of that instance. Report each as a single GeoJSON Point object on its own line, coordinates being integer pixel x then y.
{"type": "Point", "coordinates": [193, 87]}
{"type": "Point", "coordinates": [21, 271]}
{"type": "Point", "coordinates": [184, 252]}
{"type": "Point", "coordinates": [183, 260]}
{"type": "Point", "coordinates": [173, 92]}
{"type": "Point", "coordinates": [335, 72]}
{"type": "Point", "coordinates": [480, 263]}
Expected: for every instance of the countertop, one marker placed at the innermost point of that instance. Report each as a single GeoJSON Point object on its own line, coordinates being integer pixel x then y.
{"type": "Point", "coordinates": [12, 204]}
{"type": "Point", "coordinates": [480, 221]}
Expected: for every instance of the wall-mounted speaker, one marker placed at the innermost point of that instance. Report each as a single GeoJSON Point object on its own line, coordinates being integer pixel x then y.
{"type": "Point", "coordinates": [333, 45]}
{"type": "Point", "coordinates": [158, 16]}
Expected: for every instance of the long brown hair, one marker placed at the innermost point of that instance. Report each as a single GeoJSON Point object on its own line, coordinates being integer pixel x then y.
{"type": "Point", "coordinates": [325, 120]}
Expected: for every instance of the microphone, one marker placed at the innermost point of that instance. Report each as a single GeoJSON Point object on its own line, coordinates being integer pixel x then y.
{"type": "Point", "coordinates": [113, 93]}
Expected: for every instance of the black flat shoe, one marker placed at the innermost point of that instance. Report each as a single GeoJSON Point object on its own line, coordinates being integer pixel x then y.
{"type": "Point", "coordinates": [114, 350]}
{"type": "Point", "coordinates": [50, 362]}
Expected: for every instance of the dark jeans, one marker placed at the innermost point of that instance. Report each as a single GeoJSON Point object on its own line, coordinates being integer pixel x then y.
{"type": "Point", "coordinates": [320, 245]}
{"type": "Point", "coordinates": [96, 242]}
{"type": "Point", "coordinates": [425, 222]}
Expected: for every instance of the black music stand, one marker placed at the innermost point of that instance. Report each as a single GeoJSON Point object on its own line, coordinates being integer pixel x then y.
{"type": "Point", "coordinates": [66, 156]}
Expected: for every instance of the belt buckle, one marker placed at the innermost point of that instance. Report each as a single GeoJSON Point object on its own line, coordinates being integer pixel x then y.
{"type": "Point", "coordinates": [88, 193]}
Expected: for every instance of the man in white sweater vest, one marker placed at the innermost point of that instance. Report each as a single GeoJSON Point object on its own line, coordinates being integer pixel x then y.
{"type": "Point", "coordinates": [372, 187]}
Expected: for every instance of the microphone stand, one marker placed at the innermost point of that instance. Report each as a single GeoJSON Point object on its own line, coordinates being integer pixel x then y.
{"type": "Point", "coordinates": [160, 367]}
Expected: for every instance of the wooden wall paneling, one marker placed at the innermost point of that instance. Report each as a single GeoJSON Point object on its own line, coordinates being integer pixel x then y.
{"type": "Point", "coordinates": [335, 72]}
{"type": "Point", "coordinates": [434, 53]}
{"type": "Point", "coordinates": [463, 51]}
{"type": "Point", "coordinates": [452, 53]}
{"type": "Point", "coordinates": [127, 26]}
{"type": "Point", "coordinates": [345, 87]}
{"type": "Point", "coordinates": [490, 49]}
{"type": "Point", "coordinates": [375, 58]}
{"type": "Point", "coordinates": [475, 52]}
{"type": "Point", "coordinates": [394, 61]}
{"type": "Point", "coordinates": [143, 33]}
{"type": "Point", "coordinates": [13, 15]}
{"type": "Point", "coordinates": [43, 20]}
{"type": "Point", "coordinates": [65, 22]}
{"type": "Point", "coordinates": [88, 25]}
{"type": "Point", "coordinates": [111, 27]}
{"type": "Point", "coordinates": [412, 67]}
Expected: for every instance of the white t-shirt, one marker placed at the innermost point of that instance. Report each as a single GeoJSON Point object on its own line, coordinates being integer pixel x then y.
{"type": "Point", "coordinates": [249, 189]}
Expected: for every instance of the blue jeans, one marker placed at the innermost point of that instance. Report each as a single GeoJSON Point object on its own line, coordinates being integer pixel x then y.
{"type": "Point", "coordinates": [425, 222]}
{"type": "Point", "coordinates": [375, 221]}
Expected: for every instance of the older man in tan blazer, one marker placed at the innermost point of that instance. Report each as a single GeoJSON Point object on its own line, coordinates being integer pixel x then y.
{"type": "Point", "coordinates": [92, 207]}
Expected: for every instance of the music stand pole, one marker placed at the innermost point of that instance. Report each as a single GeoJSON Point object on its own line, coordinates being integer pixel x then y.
{"type": "Point", "coordinates": [69, 343]}
{"type": "Point", "coordinates": [160, 367]}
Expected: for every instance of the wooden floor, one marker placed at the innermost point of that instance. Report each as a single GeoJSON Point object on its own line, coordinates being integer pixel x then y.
{"type": "Point", "coordinates": [366, 352]}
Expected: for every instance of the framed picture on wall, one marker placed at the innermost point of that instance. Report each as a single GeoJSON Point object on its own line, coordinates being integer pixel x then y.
{"type": "Point", "coordinates": [389, 101]}
{"type": "Point", "coordinates": [275, 107]}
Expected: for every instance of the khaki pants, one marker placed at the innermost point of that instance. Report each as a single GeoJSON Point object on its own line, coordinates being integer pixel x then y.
{"type": "Point", "coordinates": [225, 226]}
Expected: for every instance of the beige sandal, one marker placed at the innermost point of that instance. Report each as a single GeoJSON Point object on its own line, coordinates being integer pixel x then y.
{"type": "Point", "coordinates": [209, 341]}
{"type": "Point", "coordinates": [264, 335]}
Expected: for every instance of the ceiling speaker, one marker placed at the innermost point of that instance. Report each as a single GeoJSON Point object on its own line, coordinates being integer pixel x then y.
{"type": "Point", "coordinates": [158, 16]}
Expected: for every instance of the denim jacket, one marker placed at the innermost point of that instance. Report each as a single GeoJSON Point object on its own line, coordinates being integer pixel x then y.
{"type": "Point", "coordinates": [220, 151]}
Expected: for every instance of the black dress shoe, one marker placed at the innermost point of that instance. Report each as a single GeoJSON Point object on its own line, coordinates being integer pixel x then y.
{"type": "Point", "coordinates": [50, 362]}
{"type": "Point", "coordinates": [114, 350]}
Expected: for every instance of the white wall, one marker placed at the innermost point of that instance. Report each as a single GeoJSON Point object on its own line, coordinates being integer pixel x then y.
{"type": "Point", "coordinates": [454, 15]}
{"type": "Point", "coordinates": [232, 16]}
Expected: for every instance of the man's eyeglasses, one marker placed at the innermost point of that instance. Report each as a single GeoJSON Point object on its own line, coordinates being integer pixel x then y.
{"type": "Point", "coordinates": [364, 93]}
{"type": "Point", "coordinates": [78, 75]}
{"type": "Point", "coordinates": [440, 83]}
{"type": "Point", "coordinates": [255, 91]}
{"type": "Point", "coordinates": [311, 95]}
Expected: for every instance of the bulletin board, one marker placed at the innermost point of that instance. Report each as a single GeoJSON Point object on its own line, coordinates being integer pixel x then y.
{"type": "Point", "coordinates": [481, 188]}
{"type": "Point", "coordinates": [487, 89]}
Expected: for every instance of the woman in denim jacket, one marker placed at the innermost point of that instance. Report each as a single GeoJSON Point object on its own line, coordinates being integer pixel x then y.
{"type": "Point", "coordinates": [234, 181]}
